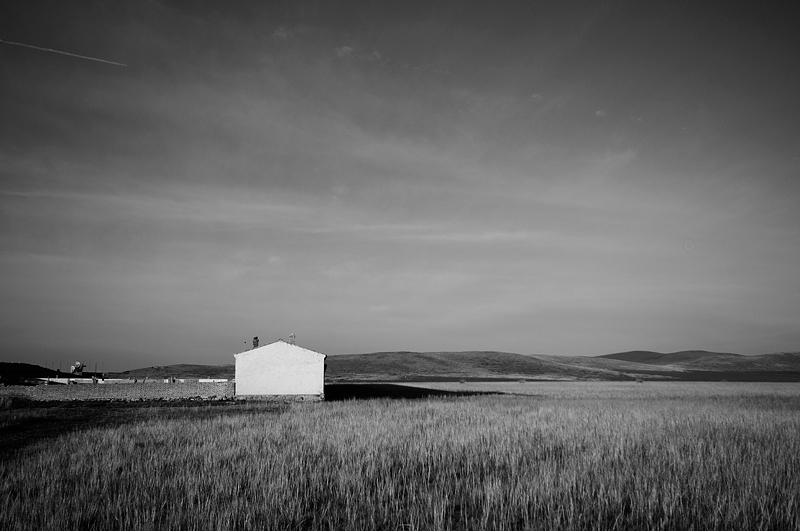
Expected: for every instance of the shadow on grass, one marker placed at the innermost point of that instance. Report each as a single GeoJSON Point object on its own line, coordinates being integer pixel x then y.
{"type": "Point", "coordinates": [24, 422]}
{"type": "Point", "coordinates": [348, 391]}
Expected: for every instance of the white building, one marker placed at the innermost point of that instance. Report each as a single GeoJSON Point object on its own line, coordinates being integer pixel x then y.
{"type": "Point", "coordinates": [280, 369]}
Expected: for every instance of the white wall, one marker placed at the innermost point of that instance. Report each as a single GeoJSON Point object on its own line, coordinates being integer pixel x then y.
{"type": "Point", "coordinates": [280, 369]}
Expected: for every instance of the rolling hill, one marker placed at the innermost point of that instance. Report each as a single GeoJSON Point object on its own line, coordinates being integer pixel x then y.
{"type": "Point", "coordinates": [700, 360]}
{"type": "Point", "coordinates": [420, 366]}
{"type": "Point", "coordinates": [182, 370]}
{"type": "Point", "coordinates": [24, 370]}
{"type": "Point", "coordinates": [692, 365]}
{"type": "Point", "coordinates": [674, 358]}
{"type": "Point", "coordinates": [687, 365]}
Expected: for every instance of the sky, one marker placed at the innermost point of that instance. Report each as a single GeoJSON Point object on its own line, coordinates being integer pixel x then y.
{"type": "Point", "coordinates": [561, 178]}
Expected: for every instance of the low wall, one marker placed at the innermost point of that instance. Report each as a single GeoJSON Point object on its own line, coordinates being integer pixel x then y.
{"type": "Point", "coordinates": [140, 391]}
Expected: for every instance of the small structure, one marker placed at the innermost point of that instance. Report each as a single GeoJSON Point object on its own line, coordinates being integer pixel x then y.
{"type": "Point", "coordinates": [280, 370]}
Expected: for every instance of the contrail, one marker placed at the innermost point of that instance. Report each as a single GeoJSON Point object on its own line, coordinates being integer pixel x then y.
{"type": "Point", "coordinates": [62, 53]}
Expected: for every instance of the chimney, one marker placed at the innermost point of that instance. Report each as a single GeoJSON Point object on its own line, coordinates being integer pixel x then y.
{"type": "Point", "coordinates": [255, 342]}
{"type": "Point", "coordinates": [291, 339]}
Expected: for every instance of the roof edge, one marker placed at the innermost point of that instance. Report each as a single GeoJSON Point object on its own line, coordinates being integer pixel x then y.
{"type": "Point", "coordinates": [280, 341]}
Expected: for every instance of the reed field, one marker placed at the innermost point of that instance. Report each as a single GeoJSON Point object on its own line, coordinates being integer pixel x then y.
{"type": "Point", "coordinates": [580, 456]}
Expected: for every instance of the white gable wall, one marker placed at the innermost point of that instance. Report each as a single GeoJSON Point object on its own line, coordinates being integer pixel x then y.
{"type": "Point", "coordinates": [280, 369]}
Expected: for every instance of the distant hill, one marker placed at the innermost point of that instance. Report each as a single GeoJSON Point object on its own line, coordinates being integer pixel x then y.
{"type": "Point", "coordinates": [431, 366]}
{"type": "Point", "coordinates": [409, 366]}
{"type": "Point", "coordinates": [694, 365]}
{"type": "Point", "coordinates": [686, 365]}
{"type": "Point", "coordinates": [13, 371]}
{"type": "Point", "coordinates": [182, 370]}
{"type": "Point", "coordinates": [700, 360]}
{"type": "Point", "coordinates": [676, 358]}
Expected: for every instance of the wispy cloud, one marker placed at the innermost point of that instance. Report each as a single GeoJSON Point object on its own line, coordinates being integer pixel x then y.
{"type": "Point", "coordinates": [332, 166]}
{"type": "Point", "coordinates": [282, 33]}
{"type": "Point", "coordinates": [343, 51]}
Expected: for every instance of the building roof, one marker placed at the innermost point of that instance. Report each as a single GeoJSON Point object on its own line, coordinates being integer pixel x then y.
{"type": "Point", "coordinates": [274, 343]}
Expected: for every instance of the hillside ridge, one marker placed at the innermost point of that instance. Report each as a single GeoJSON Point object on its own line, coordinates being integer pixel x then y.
{"type": "Point", "coordinates": [497, 365]}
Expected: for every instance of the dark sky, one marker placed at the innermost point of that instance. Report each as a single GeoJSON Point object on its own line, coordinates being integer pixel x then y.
{"type": "Point", "coordinates": [571, 178]}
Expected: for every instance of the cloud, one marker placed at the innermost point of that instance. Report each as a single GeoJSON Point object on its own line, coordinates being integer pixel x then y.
{"type": "Point", "coordinates": [282, 33]}
{"type": "Point", "coordinates": [616, 160]}
{"type": "Point", "coordinates": [344, 51]}
{"type": "Point", "coordinates": [601, 113]}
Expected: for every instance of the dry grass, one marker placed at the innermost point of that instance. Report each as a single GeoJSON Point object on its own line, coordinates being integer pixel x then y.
{"type": "Point", "coordinates": [677, 461]}
{"type": "Point", "coordinates": [648, 390]}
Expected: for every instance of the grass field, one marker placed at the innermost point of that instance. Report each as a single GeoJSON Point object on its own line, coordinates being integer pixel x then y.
{"type": "Point", "coordinates": [649, 391]}
{"type": "Point", "coordinates": [578, 456]}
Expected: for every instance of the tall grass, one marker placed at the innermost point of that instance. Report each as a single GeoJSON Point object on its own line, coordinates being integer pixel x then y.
{"type": "Point", "coordinates": [466, 463]}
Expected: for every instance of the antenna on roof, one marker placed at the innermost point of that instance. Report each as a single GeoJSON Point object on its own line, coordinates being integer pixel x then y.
{"type": "Point", "coordinates": [291, 338]}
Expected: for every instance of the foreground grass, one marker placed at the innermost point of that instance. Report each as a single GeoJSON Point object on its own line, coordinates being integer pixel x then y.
{"type": "Point", "coordinates": [465, 463]}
